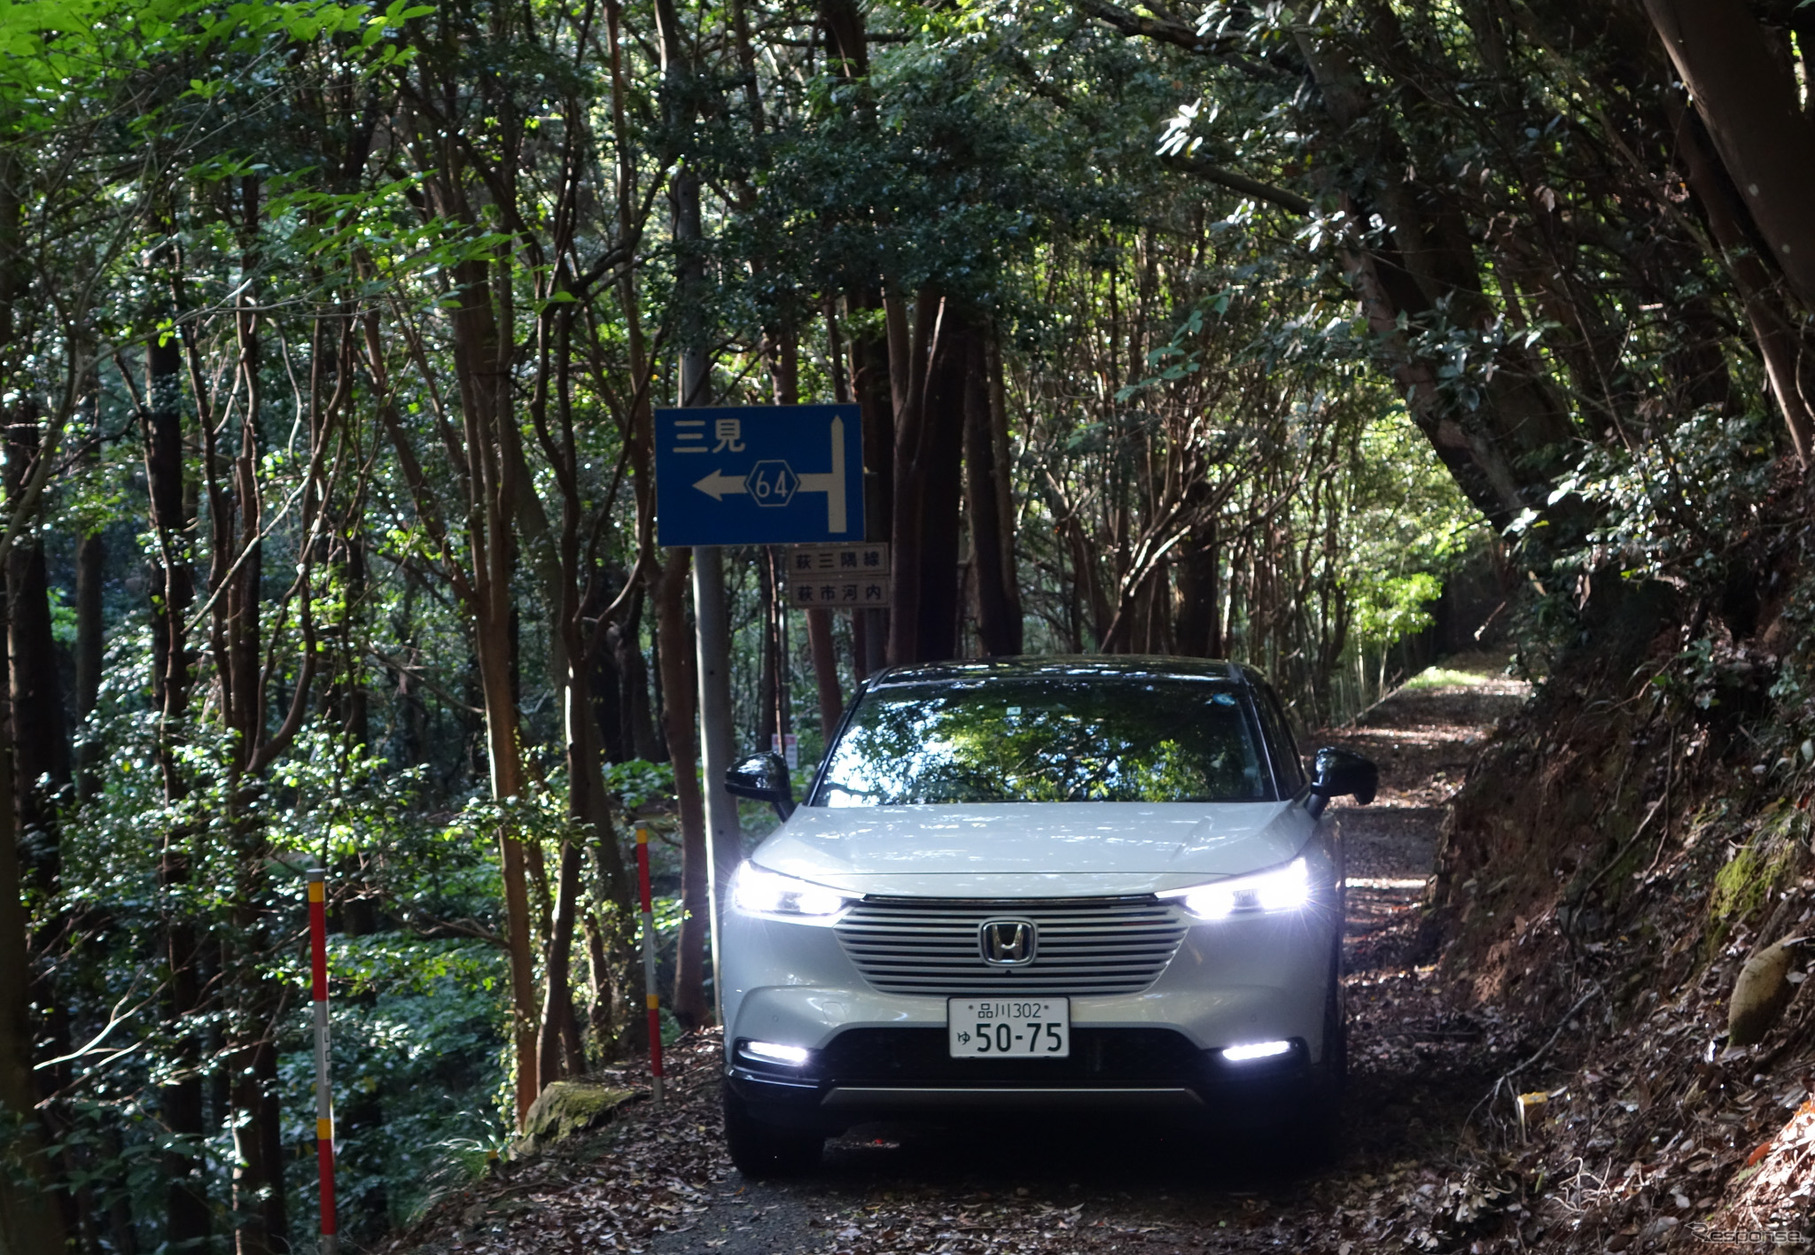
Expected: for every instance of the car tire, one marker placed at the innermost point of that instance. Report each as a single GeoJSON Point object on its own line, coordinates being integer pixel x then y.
{"type": "Point", "coordinates": [1334, 1067]}
{"type": "Point", "coordinates": [1319, 1127]}
{"type": "Point", "coordinates": [761, 1150]}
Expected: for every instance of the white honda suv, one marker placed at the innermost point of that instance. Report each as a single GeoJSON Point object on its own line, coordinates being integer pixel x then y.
{"type": "Point", "coordinates": [1039, 884]}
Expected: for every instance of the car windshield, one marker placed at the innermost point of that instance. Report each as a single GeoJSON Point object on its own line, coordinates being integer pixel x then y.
{"type": "Point", "coordinates": [1084, 738]}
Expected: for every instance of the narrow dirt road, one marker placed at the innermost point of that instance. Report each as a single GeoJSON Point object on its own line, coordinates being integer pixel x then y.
{"type": "Point", "coordinates": [660, 1183]}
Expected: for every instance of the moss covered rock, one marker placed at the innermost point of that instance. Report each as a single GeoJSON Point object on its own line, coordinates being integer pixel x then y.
{"type": "Point", "coordinates": [569, 1107]}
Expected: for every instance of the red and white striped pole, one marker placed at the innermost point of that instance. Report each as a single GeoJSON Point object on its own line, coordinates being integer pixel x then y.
{"type": "Point", "coordinates": [324, 1097]}
{"type": "Point", "coordinates": [650, 997]}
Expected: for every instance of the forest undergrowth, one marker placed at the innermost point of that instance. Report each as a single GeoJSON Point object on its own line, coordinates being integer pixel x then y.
{"type": "Point", "coordinates": [1621, 850]}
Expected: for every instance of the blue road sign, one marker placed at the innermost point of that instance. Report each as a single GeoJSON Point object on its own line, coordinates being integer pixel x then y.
{"type": "Point", "coordinates": [758, 475]}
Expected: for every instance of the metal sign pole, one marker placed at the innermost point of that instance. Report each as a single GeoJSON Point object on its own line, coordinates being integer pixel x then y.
{"type": "Point", "coordinates": [712, 628]}
{"type": "Point", "coordinates": [712, 622]}
{"type": "Point", "coordinates": [324, 1095]}
{"type": "Point", "coordinates": [651, 997]}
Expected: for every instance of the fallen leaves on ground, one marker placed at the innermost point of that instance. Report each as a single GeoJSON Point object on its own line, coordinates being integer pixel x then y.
{"type": "Point", "coordinates": [649, 1172]}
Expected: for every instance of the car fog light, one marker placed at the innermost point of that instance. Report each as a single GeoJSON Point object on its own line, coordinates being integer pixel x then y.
{"type": "Point", "coordinates": [775, 1052]}
{"type": "Point", "coordinates": [1256, 1050]}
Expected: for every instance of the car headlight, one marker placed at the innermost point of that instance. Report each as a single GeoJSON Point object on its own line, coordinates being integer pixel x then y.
{"type": "Point", "coordinates": [756, 891]}
{"type": "Point", "coordinates": [1282, 889]}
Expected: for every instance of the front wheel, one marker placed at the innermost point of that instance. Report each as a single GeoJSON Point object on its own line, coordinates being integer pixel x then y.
{"type": "Point", "coordinates": [1320, 1126]}
{"type": "Point", "coordinates": [763, 1150]}
{"type": "Point", "coordinates": [1334, 1067]}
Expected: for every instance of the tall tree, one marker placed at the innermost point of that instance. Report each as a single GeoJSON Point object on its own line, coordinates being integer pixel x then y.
{"type": "Point", "coordinates": [29, 1216]}
{"type": "Point", "coordinates": [1745, 94]}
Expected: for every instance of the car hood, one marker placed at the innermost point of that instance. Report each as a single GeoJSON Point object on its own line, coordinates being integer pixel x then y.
{"type": "Point", "coordinates": [1030, 849]}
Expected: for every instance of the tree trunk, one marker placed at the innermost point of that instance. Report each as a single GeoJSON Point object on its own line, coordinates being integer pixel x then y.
{"type": "Point", "coordinates": [675, 654]}
{"type": "Point", "coordinates": [871, 387]}
{"type": "Point", "coordinates": [40, 734]}
{"type": "Point", "coordinates": [91, 633]}
{"type": "Point", "coordinates": [1505, 451]}
{"type": "Point", "coordinates": [683, 93]}
{"type": "Point", "coordinates": [873, 357]}
{"type": "Point", "coordinates": [559, 1052]}
{"type": "Point", "coordinates": [29, 1220]}
{"type": "Point", "coordinates": [768, 671]}
{"type": "Point", "coordinates": [172, 591]}
{"type": "Point", "coordinates": [482, 360]}
{"type": "Point", "coordinates": [492, 637]}
{"type": "Point", "coordinates": [1748, 99]}
{"type": "Point", "coordinates": [639, 733]}
{"type": "Point", "coordinates": [564, 575]}
{"type": "Point", "coordinates": [1196, 629]}
{"type": "Point", "coordinates": [988, 495]}
{"type": "Point", "coordinates": [1787, 356]}
{"type": "Point", "coordinates": [929, 442]}
{"type": "Point", "coordinates": [666, 578]}
{"type": "Point", "coordinates": [40, 767]}
{"type": "Point", "coordinates": [784, 387]}
{"type": "Point", "coordinates": [825, 673]}
{"type": "Point", "coordinates": [254, 1003]}
{"type": "Point", "coordinates": [820, 641]}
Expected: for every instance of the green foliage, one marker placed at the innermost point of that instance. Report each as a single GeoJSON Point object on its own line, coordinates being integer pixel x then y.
{"type": "Point", "coordinates": [1389, 608]}
{"type": "Point", "coordinates": [1680, 503]}
{"type": "Point", "coordinates": [639, 783]}
{"type": "Point", "coordinates": [417, 1020]}
{"type": "Point", "coordinates": [1410, 526]}
{"type": "Point", "coordinates": [416, 1028]}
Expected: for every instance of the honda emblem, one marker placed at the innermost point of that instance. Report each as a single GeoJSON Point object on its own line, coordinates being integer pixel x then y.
{"type": "Point", "coordinates": [1007, 942]}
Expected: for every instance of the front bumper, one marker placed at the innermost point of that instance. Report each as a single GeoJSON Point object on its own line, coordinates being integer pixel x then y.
{"type": "Point", "coordinates": [1156, 1051]}
{"type": "Point", "coordinates": [870, 1074]}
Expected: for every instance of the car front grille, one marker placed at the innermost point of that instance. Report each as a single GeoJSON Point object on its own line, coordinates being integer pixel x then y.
{"type": "Point", "coordinates": [1082, 945]}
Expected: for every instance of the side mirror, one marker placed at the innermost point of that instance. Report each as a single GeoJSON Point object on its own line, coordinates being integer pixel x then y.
{"type": "Point", "coordinates": [765, 778]}
{"type": "Point", "coordinates": [1338, 773]}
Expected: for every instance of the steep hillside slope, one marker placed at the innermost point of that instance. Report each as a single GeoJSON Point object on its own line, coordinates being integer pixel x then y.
{"type": "Point", "coordinates": [1619, 852]}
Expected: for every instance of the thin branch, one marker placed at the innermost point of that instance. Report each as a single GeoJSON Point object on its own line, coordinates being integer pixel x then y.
{"type": "Point", "coordinates": [418, 673]}
{"type": "Point", "coordinates": [1161, 30]}
{"type": "Point", "coordinates": [1291, 202]}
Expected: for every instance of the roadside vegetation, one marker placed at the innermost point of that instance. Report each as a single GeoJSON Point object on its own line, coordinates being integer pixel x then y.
{"type": "Point", "coordinates": [1323, 337]}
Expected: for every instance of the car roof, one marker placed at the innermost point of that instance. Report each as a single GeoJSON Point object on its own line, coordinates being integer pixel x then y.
{"type": "Point", "coordinates": [1070, 666]}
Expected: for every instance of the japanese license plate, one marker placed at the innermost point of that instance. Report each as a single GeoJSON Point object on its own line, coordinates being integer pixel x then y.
{"type": "Point", "coordinates": [1008, 1028]}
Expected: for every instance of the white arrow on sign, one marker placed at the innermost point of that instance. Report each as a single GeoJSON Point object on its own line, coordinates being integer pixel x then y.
{"type": "Point", "coordinates": [718, 485]}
